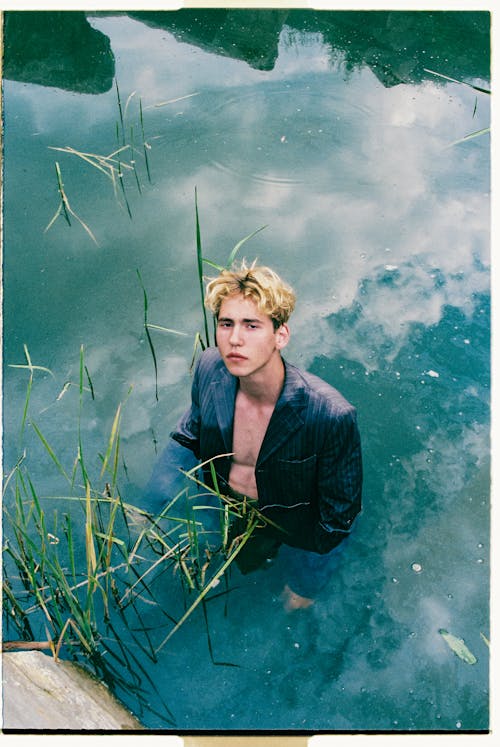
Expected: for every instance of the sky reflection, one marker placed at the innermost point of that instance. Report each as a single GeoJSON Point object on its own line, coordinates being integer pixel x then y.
{"type": "Point", "coordinates": [382, 226]}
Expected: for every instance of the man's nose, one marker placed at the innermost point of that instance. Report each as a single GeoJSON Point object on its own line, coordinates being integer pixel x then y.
{"type": "Point", "coordinates": [235, 336]}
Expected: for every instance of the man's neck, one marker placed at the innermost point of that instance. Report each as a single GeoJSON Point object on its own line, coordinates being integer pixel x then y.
{"type": "Point", "coordinates": [265, 387]}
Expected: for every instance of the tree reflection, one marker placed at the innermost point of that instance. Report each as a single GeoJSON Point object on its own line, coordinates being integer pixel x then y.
{"type": "Point", "coordinates": [397, 45]}
{"type": "Point", "coordinates": [60, 48]}
{"type": "Point", "coordinates": [57, 48]}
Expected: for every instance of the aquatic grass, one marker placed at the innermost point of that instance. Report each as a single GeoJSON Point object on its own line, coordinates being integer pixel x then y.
{"type": "Point", "coordinates": [133, 162]}
{"type": "Point", "coordinates": [470, 136]}
{"type": "Point", "coordinates": [114, 166]}
{"type": "Point", "coordinates": [50, 451]}
{"type": "Point", "coordinates": [81, 393]}
{"type": "Point", "coordinates": [120, 111]}
{"type": "Point", "coordinates": [50, 586]}
{"type": "Point", "coordinates": [253, 521]}
{"type": "Point", "coordinates": [460, 82]}
{"type": "Point", "coordinates": [145, 144]}
{"type": "Point", "coordinates": [201, 260]}
{"type": "Point", "coordinates": [104, 164]}
{"type": "Point", "coordinates": [113, 442]}
{"type": "Point", "coordinates": [160, 328]}
{"type": "Point", "coordinates": [199, 257]}
{"type": "Point", "coordinates": [43, 576]}
{"type": "Point", "coordinates": [124, 191]}
{"type": "Point", "coordinates": [66, 209]}
{"type": "Point", "coordinates": [229, 508]}
{"type": "Point", "coordinates": [31, 368]}
{"type": "Point", "coordinates": [148, 336]}
{"type": "Point", "coordinates": [172, 101]}
{"type": "Point", "coordinates": [232, 255]}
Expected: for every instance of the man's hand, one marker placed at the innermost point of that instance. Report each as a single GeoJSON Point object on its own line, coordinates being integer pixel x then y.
{"type": "Point", "coordinates": [293, 601]}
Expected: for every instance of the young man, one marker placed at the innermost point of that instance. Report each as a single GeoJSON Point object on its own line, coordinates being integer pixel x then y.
{"type": "Point", "coordinates": [293, 440]}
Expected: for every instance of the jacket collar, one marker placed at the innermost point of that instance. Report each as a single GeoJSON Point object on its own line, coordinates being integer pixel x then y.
{"type": "Point", "coordinates": [286, 418]}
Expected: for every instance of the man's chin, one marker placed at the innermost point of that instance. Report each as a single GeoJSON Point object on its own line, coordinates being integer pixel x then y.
{"type": "Point", "coordinates": [238, 367]}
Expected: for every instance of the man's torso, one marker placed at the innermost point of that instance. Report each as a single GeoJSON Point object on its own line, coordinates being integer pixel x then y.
{"type": "Point", "coordinates": [249, 428]}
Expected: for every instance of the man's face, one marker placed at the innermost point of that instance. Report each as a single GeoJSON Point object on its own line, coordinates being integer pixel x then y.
{"type": "Point", "coordinates": [246, 338]}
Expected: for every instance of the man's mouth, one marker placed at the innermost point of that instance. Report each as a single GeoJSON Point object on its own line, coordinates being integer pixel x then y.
{"type": "Point", "coordinates": [236, 357]}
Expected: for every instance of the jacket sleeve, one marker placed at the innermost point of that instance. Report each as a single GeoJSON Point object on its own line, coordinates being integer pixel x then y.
{"type": "Point", "coordinates": [340, 475]}
{"type": "Point", "coordinates": [187, 430]}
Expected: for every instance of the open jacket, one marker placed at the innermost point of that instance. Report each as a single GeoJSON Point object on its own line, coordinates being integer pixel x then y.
{"type": "Point", "coordinates": [309, 470]}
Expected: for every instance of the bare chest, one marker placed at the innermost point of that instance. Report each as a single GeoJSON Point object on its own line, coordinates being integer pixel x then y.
{"type": "Point", "coordinates": [249, 428]}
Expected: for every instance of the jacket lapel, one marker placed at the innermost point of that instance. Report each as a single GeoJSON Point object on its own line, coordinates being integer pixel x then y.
{"type": "Point", "coordinates": [223, 392]}
{"type": "Point", "coordinates": [287, 416]}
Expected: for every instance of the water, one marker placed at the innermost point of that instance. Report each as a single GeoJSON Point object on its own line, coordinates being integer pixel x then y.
{"type": "Point", "coordinates": [327, 129]}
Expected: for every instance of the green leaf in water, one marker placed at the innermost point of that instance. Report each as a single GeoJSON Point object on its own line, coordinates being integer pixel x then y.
{"type": "Point", "coordinates": [458, 647]}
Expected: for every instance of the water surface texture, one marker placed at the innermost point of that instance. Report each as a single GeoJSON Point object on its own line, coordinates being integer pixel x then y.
{"type": "Point", "coordinates": [330, 129]}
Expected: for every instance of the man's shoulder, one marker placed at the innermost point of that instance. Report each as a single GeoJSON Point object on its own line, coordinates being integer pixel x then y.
{"type": "Point", "coordinates": [319, 392]}
{"type": "Point", "coordinates": [209, 362]}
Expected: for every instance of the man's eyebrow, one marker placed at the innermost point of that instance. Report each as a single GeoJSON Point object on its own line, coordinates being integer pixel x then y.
{"type": "Point", "coordinates": [245, 321]}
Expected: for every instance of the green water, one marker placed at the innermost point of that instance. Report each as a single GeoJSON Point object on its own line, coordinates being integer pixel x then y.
{"type": "Point", "coordinates": [327, 128]}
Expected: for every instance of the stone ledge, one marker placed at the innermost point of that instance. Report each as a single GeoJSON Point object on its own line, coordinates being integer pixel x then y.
{"type": "Point", "coordinates": [40, 693]}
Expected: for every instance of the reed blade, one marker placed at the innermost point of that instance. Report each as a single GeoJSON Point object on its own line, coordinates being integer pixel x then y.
{"type": "Point", "coordinates": [148, 336]}
{"type": "Point", "coordinates": [199, 257]}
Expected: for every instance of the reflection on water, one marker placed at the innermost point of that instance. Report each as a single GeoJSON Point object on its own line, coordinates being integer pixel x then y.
{"type": "Point", "coordinates": [57, 49]}
{"type": "Point", "coordinates": [326, 128]}
{"type": "Point", "coordinates": [396, 46]}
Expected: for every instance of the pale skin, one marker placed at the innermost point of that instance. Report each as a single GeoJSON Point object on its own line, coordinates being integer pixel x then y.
{"type": "Point", "coordinates": [250, 347]}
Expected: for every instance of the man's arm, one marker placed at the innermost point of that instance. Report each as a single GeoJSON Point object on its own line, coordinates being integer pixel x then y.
{"type": "Point", "coordinates": [187, 430]}
{"type": "Point", "coordinates": [180, 455]}
{"type": "Point", "coordinates": [340, 476]}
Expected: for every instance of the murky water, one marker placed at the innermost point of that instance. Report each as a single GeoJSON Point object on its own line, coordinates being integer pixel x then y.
{"type": "Point", "coordinates": [328, 129]}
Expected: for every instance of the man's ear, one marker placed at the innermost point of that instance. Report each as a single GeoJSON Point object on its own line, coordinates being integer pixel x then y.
{"type": "Point", "coordinates": [282, 336]}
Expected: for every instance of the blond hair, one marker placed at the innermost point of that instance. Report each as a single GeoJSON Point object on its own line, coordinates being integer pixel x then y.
{"type": "Point", "coordinates": [259, 283]}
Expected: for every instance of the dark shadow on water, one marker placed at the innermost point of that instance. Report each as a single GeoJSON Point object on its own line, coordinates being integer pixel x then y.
{"type": "Point", "coordinates": [57, 48]}
{"type": "Point", "coordinates": [54, 48]}
{"type": "Point", "coordinates": [396, 45]}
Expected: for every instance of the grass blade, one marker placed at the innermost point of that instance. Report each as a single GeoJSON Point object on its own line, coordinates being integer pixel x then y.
{"type": "Point", "coordinates": [200, 268]}
{"type": "Point", "coordinates": [461, 82]}
{"type": "Point", "coordinates": [469, 137]}
{"type": "Point", "coordinates": [144, 143]}
{"type": "Point", "coordinates": [113, 436]}
{"type": "Point", "coordinates": [49, 450]}
{"type": "Point", "coordinates": [238, 246]}
{"type": "Point", "coordinates": [146, 328]}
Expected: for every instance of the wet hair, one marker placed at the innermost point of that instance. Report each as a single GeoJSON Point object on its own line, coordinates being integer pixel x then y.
{"type": "Point", "coordinates": [259, 283]}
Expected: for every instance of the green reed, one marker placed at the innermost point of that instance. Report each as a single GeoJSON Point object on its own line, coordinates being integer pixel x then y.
{"type": "Point", "coordinates": [64, 591]}
{"type": "Point", "coordinates": [66, 209]}
{"type": "Point", "coordinates": [199, 257]}
{"type": "Point", "coordinates": [201, 260]}
{"type": "Point", "coordinates": [145, 144]}
{"type": "Point", "coordinates": [148, 335]}
{"type": "Point", "coordinates": [115, 166]}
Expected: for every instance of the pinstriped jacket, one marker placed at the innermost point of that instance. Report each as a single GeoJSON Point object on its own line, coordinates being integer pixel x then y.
{"type": "Point", "coordinates": [309, 470]}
